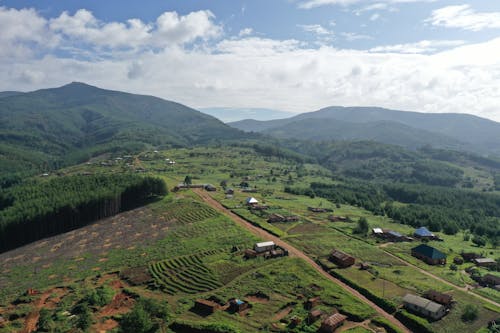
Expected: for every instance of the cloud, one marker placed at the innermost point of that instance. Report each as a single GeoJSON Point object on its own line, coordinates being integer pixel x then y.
{"type": "Point", "coordinates": [309, 4]}
{"type": "Point", "coordinates": [352, 36]}
{"type": "Point", "coordinates": [316, 29]}
{"type": "Point", "coordinates": [245, 32]}
{"type": "Point", "coordinates": [168, 30]}
{"type": "Point", "coordinates": [19, 39]}
{"type": "Point", "coordinates": [374, 17]}
{"type": "Point", "coordinates": [424, 46]}
{"type": "Point", "coordinates": [429, 76]}
{"type": "Point", "coordinates": [464, 17]}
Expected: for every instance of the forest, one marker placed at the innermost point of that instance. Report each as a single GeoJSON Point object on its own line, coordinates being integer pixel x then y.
{"type": "Point", "coordinates": [35, 209]}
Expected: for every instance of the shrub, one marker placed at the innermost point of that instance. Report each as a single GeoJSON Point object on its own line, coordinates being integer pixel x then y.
{"type": "Point", "coordinates": [470, 313]}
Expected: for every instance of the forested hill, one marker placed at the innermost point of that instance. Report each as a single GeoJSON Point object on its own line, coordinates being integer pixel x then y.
{"type": "Point", "coordinates": [69, 124]}
{"type": "Point", "coordinates": [441, 130]}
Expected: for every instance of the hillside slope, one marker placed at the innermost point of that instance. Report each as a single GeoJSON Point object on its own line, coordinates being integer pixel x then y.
{"type": "Point", "coordinates": [76, 121]}
{"type": "Point", "coordinates": [442, 130]}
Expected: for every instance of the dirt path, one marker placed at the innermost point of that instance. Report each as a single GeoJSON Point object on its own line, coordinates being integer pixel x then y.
{"type": "Point", "coordinates": [441, 279]}
{"type": "Point", "coordinates": [31, 322]}
{"type": "Point", "coordinates": [295, 253]}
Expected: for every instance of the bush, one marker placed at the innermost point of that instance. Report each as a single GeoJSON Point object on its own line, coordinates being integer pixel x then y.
{"type": "Point", "coordinates": [100, 296]}
{"type": "Point", "coordinates": [362, 227]}
{"type": "Point", "coordinates": [413, 322]}
{"type": "Point", "coordinates": [470, 313]}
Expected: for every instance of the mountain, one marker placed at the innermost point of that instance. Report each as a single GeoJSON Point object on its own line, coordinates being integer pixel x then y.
{"type": "Point", "coordinates": [9, 93]}
{"type": "Point", "coordinates": [227, 114]}
{"type": "Point", "coordinates": [64, 125]}
{"type": "Point", "coordinates": [409, 129]}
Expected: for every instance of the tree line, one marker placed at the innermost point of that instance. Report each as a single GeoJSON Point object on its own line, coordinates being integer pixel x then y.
{"type": "Point", "coordinates": [439, 208]}
{"type": "Point", "coordinates": [40, 208]}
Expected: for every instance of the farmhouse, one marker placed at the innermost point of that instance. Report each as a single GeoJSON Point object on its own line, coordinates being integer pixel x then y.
{"type": "Point", "coordinates": [205, 306]}
{"type": "Point", "coordinates": [319, 210]}
{"type": "Point", "coordinates": [424, 306]}
{"type": "Point", "coordinates": [281, 218]}
{"type": "Point", "coordinates": [429, 254]}
{"type": "Point", "coordinates": [469, 256]}
{"type": "Point", "coordinates": [441, 298]}
{"type": "Point", "coordinates": [264, 246]}
{"type": "Point", "coordinates": [423, 233]}
{"type": "Point", "coordinates": [484, 262]}
{"type": "Point", "coordinates": [342, 259]}
{"type": "Point", "coordinates": [331, 323]}
{"type": "Point", "coordinates": [335, 218]}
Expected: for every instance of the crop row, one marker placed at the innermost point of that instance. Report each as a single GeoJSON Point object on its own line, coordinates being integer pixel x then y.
{"type": "Point", "coordinates": [185, 274]}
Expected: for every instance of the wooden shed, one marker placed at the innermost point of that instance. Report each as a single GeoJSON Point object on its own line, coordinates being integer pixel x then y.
{"type": "Point", "coordinates": [312, 302]}
{"type": "Point", "coordinates": [331, 323]}
{"type": "Point", "coordinates": [313, 316]}
{"type": "Point", "coordinates": [205, 306]}
{"type": "Point", "coordinates": [441, 298]}
{"type": "Point", "coordinates": [342, 259]}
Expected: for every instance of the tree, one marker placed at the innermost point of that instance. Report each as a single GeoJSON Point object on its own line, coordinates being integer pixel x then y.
{"type": "Point", "coordinates": [188, 181]}
{"type": "Point", "coordinates": [479, 241]}
{"type": "Point", "coordinates": [85, 318]}
{"type": "Point", "coordinates": [470, 313]}
{"type": "Point", "coordinates": [362, 227]}
{"type": "Point", "coordinates": [136, 321]}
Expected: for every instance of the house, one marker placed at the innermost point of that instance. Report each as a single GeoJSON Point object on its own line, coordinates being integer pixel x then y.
{"type": "Point", "coordinates": [468, 256]}
{"type": "Point", "coordinates": [264, 246]}
{"type": "Point", "coordinates": [484, 262]}
{"type": "Point", "coordinates": [319, 210]}
{"type": "Point", "coordinates": [229, 191]}
{"type": "Point", "coordinates": [205, 306]}
{"type": "Point", "coordinates": [423, 233]}
{"type": "Point", "coordinates": [378, 232]}
{"type": "Point", "coordinates": [335, 218]}
{"type": "Point", "coordinates": [441, 298]}
{"type": "Point", "coordinates": [237, 305]}
{"type": "Point", "coordinates": [251, 201]}
{"type": "Point", "coordinates": [424, 306]}
{"type": "Point", "coordinates": [331, 323]}
{"type": "Point", "coordinates": [313, 316]}
{"type": "Point", "coordinates": [342, 259]}
{"type": "Point", "coordinates": [312, 302]}
{"type": "Point", "coordinates": [275, 218]}
{"type": "Point", "coordinates": [490, 280]}
{"type": "Point", "coordinates": [429, 254]}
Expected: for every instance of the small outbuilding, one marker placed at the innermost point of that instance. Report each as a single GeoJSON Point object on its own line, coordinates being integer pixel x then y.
{"type": "Point", "coordinates": [490, 280]}
{"type": "Point", "coordinates": [237, 305]}
{"type": "Point", "coordinates": [424, 306]}
{"type": "Point", "coordinates": [312, 302]}
{"type": "Point", "coordinates": [264, 246]}
{"type": "Point", "coordinates": [313, 316]}
{"type": "Point", "coordinates": [342, 259]}
{"type": "Point", "coordinates": [251, 201]}
{"type": "Point", "coordinates": [205, 306]}
{"type": "Point", "coordinates": [484, 262]}
{"type": "Point", "coordinates": [330, 324]}
{"type": "Point", "coordinates": [209, 188]}
{"type": "Point", "coordinates": [429, 254]}
{"type": "Point", "coordinates": [441, 298]}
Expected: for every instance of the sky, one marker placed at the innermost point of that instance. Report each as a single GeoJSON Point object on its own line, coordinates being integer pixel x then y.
{"type": "Point", "coordinates": [289, 55]}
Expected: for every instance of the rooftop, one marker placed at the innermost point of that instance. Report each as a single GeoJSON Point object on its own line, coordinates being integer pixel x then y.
{"type": "Point", "coordinates": [429, 252]}
{"type": "Point", "coordinates": [423, 303]}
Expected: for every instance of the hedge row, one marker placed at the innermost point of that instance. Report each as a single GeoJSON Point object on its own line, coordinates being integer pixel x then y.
{"type": "Point", "coordinates": [415, 323]}
{"type": "Point", "coordinates": [389, 327]}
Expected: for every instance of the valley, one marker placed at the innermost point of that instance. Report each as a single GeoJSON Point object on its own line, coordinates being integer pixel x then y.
{"type": "Point", "coordinates": [207, 232]}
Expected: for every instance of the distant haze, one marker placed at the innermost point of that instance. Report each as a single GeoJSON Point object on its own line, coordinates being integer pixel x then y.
{"type": "Point", "coordinates": [228, 114]}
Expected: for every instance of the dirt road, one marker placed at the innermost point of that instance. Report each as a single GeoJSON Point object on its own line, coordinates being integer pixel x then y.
{"type": "Point", "coordinates": [295, 253]}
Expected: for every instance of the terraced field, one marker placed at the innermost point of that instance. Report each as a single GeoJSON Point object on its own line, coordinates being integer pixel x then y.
{"type": "Point", "coordinates": [186, 274]}
{"type": "Point", "coordinates": [189, 212]}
